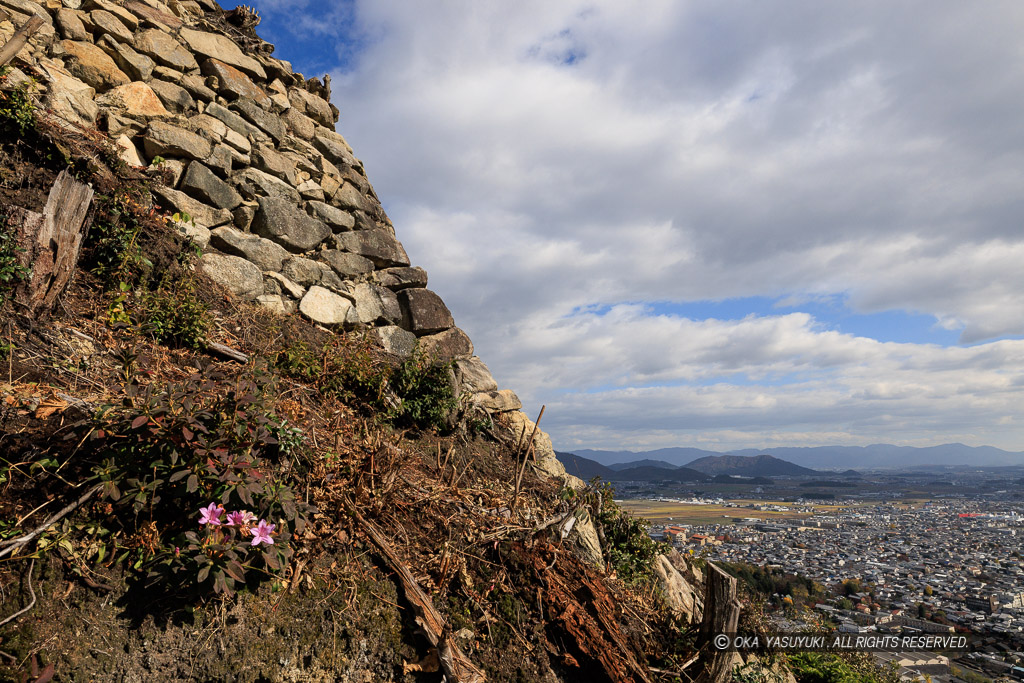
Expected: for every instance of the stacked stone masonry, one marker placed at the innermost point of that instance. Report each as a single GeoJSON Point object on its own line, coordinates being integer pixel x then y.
{"type": "Point", "coordinates": [254, 169]}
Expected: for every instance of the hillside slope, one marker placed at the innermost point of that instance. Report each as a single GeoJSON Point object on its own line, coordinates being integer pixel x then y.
{"type": "Point", "coordinates": [241, 438]}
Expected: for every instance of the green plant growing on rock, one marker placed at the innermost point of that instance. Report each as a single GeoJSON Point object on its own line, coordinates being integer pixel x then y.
{"type": "Point", "coordinates": [17, 111]}
{"type": "Point", "coordinates": [425, 389]}
{"type": "Point", "coordinates": [628, 547]}
{"type": "Point", "coordinates": [174, 315]}
{"type": "Point", "coordinates": [11, 270]}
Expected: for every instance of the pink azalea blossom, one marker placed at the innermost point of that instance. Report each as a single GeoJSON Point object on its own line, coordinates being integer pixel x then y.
{"type": "Point", "coordinates": [261, 534]}
{"type": "Point", "coordinates": [236, 518]}
{"type": "Point", "coordinates": [210, 514]}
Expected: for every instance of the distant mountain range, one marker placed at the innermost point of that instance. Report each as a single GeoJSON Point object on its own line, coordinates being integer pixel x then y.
{"type": "Point", "coordinates": [748, 466]}
{"type": "Point", "coordinates": [877, 456]}
{"type": "Point", "coordinates": [586, 469]}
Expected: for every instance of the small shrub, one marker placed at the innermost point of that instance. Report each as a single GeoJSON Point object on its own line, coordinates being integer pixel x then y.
{"type": "Point", "coordinates": [628, 547]}
{"type": "Point", "coordinates": [173, 450]}
{"type": "Point", "coordinates": [174, 315]}
{"type": "Point", "coordinates": [11, 270]}
{"type": "Point", "coordinates": [426, 392]}
{"type": "Point", "coordinates": [17, 111]}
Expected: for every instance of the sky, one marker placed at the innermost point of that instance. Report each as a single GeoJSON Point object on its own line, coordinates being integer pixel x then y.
{"type": "Point", "coordinates": [709, 223]}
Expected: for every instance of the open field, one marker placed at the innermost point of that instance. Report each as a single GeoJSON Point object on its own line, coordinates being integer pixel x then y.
{"type": "Point", "coordinates": [663, 512]}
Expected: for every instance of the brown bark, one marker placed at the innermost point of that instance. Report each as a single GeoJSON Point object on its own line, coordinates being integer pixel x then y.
{"type": "Point", "coordinates": [721, 615]}
{"type": "Point", "coordinates": [18, 40]}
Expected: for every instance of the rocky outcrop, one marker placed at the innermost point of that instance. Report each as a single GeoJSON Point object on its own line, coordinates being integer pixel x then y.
{"type": "Point", "coordinates": [257, 174]}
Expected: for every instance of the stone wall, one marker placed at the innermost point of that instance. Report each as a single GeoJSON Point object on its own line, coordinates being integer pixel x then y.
{"type": "Point", "coordinates": [276, 198]}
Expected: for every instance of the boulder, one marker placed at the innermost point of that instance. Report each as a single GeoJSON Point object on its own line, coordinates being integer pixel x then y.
{"type": "Point", "coordinates": [153, 16]}
{"type": "Point", "coordinates": [348, 196]}
{"type": "Point", "coordinates": [233, 84]}
{"type": "Point", "coordinates": [92, 65]}
{"type": "Point", "coordinates": [203, 215]}
{"type": "Point", "coordinates": [346, 265]}
{"type": "Point", "coordinates": [306, 272]}
{"type": "Point", "coordinates": [335, 149]}
{"type": "Point", "coordinates": [236, 122]}
{"type": "Point", "coordinates": [265, 254]}
{"type": "Point", "coordinates": [269, 123]}
{"type": "Point", "coordinates": [311, 105]}
{"type": "Point", "coordinates": [166, 140]}
{"type": "Point", "coordinates": [292, 289]}
{"type": "Point", "coordinates": [379, 246]}
{"type": "Point", "coordinates": [327, 308]}
{"type": "Point", "coordinates": [201, 183]}
{"type": "Point", "coordinates": [70, 24]}
{"type": "Point", "coordinates": [254, 184]}
{"type": "Point", "coordinates": [127, 151]}
{"type": "Point", "coordinates": [276, 164]}
{"type": "Point", "coordinates": [395, 340]}
{"type": "Point", "coordinates": [241, 278]}
{"type": "Point", "coordinates": [402, 278]}
{"type": "Point", "coordinates": [138, 67]}
{"type": "Point", "coordinates": [424, 312]}
{"type": "Point", "coordinates": [310, 190]}
{"type": "Point", "coordinates": [68, 97]}
{"type": "Point", "coordinates": [448, 345]}
{"type": "Point", "coordinates": [299, 124]}
{"type": "Point", "coordinates": [107, 23]}
{"type": "Point", "coordinates": [516, 424]}
{"type": "Point", "coordinates": [174, 97]}
{"type": "Point", "coordinates": [165, 50]}
{"type": "Point", "coordinates": [135, 99]}
{"type": "Point", "coordinates": [223, 49]}
{"type": "Point", "coordinates": [196, 87]}
{"type": "Point", "coordinates": [288, 225]}
{"type": "Point", "coordinates": [336, 218]}
{"type": "Point", "coordinates": [473, 376]}
{"type": "Point", "coordinates": [497, 401]}
{"type": "Point", "coordinates": [679, 596]}
{"type": "Point", "coordinates": [130, 21]}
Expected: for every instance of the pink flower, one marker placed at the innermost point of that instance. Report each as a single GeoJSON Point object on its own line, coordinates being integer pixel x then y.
{"type": "Point", "coordinates": [236, 518]}
{"type": "Point", "coordinates": [261, 534]}
{"type": "Point", "coordinates": [210, 515]}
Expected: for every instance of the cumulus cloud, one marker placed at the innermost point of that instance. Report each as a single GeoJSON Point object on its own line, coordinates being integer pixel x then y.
{"type": "Point", "coordinates": [559, 167]}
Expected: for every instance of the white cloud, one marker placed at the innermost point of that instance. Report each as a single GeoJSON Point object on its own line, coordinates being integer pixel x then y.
{"type": "Point", "coordinates": [544, 158]}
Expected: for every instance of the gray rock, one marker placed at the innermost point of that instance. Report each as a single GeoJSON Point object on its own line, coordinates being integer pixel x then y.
{"type": "Point", "coordinates": [151, 16]}
{"type": "Point", "coordinates": [402, 278]}
{"type": "Point", "coordinates": [311, 105]}
{"type": "Point", "coordinates": [241, 278]}
{"type": "Point", "coordinates": [276, 164]}
{"type": "Point", "coordinates": [196, 87]}
{"type": "Point", "coordinates": [303, 271]}
{"type": "Point", "coordinates": [336, 151]}
{"type": "Point", "coordinates": [130, 21]}
{"type": "Point", "coordinates": [377, 245]}
{"type": "Point", "coordinates": [222, 48]}
{"type": "Point", "coordinates": [138, 67]}
{"type": "Point", "coordinates": [203, 215]}
{"type": "Point", "coordinates": [197, 234]}
{"type": "Point", "coordinates": [497, 401]}
{"type": "Point", "coordinates": [264, 120]}
{"type": "Point", "coordinates": [236, 122]}
{"type": "Point", "coordinates": [233, 84]}
{"type": "Point", "coordinates": [165, 50]}
{"type": "Point", "coordinates": [288, 225]}
{"type": "Point", "coordinates": [166, 140]}
{"type": "Point", "coordinates": [265, 254]}
{"type": "Point", "coordinates": [292, 289]}
{"type": "Point", "coordinates": [336, 218]}
{"type": "Point", "coordinates": [201, 183]}
{"type": "Point", "coordinates": [310, 190]}
{"type": "Point", "coordinates": [276, 303]}
{"type": "Point", "coordinates": [348, 196]}
{"type": "Point", "coordinates": [448, 345]}
{"type": "Point", "coordinates": [73, 106]}
{"type": "Point", "coordinates": [395, 340]}
{"type": "Point", "coordinates": [678, 595]}
{"type": "Point", "coordinates": [243, 215]}
{"type": "Point", "coordinates": [223, 158]}
{"type": "Point", "coordinates": [174, 97]}
{"type": "Point", "coordinates": [473, 376]}
{"type": "Point", "coordinates": [346, 265]}
{"type": "Point", "coordinates": [254, 183]}
{"type": "Point", "coordinates": [299, 124]}
{"type": "Point", "coordinates": [326, 307]}
{"type": "Point", "coordinates": [368, 304]}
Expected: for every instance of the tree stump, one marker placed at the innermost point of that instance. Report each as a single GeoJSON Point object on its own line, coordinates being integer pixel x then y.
{"type": "Point", "coordinates": [52, 241]}
{"type": "Point", "coordinates": [721, 615]}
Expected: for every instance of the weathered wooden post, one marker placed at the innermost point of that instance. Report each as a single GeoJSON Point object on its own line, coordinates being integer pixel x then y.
{"type": "Point", "coordinates": [721, 615]}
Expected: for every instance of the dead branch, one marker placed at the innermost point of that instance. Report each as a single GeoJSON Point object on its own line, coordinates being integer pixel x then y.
{"type": "Point", "coordinates": [13, 544]}
{"type": "Point", "coordinates": [456, 665]}
{"type": "Point", "coordinates": [226, 352]}
{"type": "Point", "coordinates": [20, 37]}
